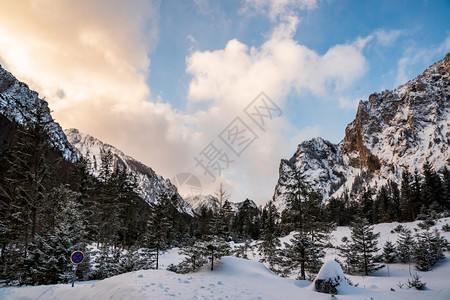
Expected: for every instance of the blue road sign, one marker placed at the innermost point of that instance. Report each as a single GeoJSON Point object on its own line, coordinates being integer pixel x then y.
{"type": "Point", "coordinates": [77, 257]}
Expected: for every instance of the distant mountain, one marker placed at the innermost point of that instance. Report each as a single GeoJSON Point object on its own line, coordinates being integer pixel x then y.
{"type": "Point", "coordinates": [17, 104]}
{"type": "Point", "coordinates": [392, 130]}
{"type": "Point", "coordinates": [151, 185]}
{"type": "Point", "coordinates": [212, 203]}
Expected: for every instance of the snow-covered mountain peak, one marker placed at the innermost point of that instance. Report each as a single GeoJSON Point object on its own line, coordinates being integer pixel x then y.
{"type": "Point", "coordinates": [392, 130]}
{"type": "Point", "coordinates": [151, 185]}
{"type": "Point", "coordinates": [18, 103]}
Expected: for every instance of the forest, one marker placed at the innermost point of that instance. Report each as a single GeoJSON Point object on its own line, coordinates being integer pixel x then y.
{"type": "Point", "coordinates": [50, 207]}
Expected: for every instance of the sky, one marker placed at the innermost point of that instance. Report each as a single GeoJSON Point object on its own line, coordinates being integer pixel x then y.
{"type": "Point", "coordinates": [222, 90]}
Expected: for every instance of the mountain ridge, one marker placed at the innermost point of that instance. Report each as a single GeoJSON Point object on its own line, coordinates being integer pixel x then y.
{"type": "Point", "coordinates": [392, 130]}
{"type": "Point", "coordinates": [150, 184]}
{"type": "Point", "coordinates": [18, 103]}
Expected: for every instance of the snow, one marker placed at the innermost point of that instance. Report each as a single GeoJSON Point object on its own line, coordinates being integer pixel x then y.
{"type": "Point", "coordinates": [235, 278]}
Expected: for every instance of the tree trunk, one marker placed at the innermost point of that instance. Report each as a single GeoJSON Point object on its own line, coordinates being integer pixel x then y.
{"type": "Point", "coordinates": [157, 258]}
{"type": "Point", "coordinates": [212, 260]}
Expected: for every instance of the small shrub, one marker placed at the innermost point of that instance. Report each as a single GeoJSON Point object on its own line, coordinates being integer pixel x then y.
{"type": "Point", "coordinates": [446, 227]}
{"type": "Point", "coordinates": [416, 282]}
{"type": "Point", "coordinates": [399, 228]}
{"type": "Point", "coordinates": [426, 224]}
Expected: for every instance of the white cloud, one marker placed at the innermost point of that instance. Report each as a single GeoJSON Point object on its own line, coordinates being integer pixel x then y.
{"type": "Point", "coordinates": [89, 59]}
{"type": "Point", "coordinates": [415, 55]}
{"type": "Point", "coordinates": [227, 80]}
{"type": "Point", "coordinates": [278, 8]}
{"type": "Point", "coordinates": [388, 38]}
{"type": "Point", "coordinates": [90, 62]}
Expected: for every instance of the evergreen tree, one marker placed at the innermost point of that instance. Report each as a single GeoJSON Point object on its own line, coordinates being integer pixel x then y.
{"type": "Point", "coordinates": [367, 206]}
{"type": "Point", "coordinates": [363, 245]}
{"type": "Point", "coordinates": [432, 189]}
{"type": "Point", "coordinates": [305, 253]}
{"type": "Point", "coordinates": [446, 186]}
{"type": "Point", "coordinates": [269, 237]}
{"type": "Point", "coordinates": [157, 227]}
{"type": "Point", "coordinates": [194, 257]}
{"type": "Point", "coordinates": [428, 250]}
{"type": "Point", "coordinates": [389, 252]}
{"type": "Point", "coordinates": [348, 252]}
{"type": "Point", "coordinates": [405, 242]}
{"type": "Point", "coordinates": [407, 210]}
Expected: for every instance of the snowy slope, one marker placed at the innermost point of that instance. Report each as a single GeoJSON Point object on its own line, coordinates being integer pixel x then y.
{"type": "Point", "coordinates": [151, 185]}
{"type": "Point", "coordinates": [392, 130]}
{"type": "Point", "coordinates": [236, 278]}
{"type": "Point", "coordinates": [17, 102]}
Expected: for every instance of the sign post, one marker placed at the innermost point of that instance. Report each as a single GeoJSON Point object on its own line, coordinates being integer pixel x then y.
{"type": "Point", "coordinates": [77, 258]}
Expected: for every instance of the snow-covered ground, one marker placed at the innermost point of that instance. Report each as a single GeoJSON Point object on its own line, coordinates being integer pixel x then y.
{"type": "Point", "coordinates": [235, 278]}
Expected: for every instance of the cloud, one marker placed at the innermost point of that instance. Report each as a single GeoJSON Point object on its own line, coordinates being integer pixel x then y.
{"type": "Point", "coordinates": [227, 80]}
{"type": "Point", "coordinates": [387, 38]}
{"type": "Point", "coordinates": [414, 55]}
{"type": "Point", "coordinates": [91, 62]}
{"type": "Point", "coordinates": [278, 66]}
{"type": "Point", "coordinates": [89, 59]}
{"type": "Point", "coordinates": [277, 9]}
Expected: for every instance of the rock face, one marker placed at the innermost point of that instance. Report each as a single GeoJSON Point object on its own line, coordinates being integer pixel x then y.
{"type": "Point", "coordinates": [17, 104]}
{"type": "Point", "coordinates": [151, 185]}
{"type": "Point", "coordinates": [392, 130]}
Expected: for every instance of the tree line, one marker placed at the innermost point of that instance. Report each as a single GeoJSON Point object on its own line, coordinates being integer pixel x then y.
{"type": "Point", "coordinates": [419, 196]}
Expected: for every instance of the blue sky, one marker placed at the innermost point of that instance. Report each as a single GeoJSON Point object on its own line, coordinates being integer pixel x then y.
{"type": "Point", "coordinates": [161, 80]}
{"type": "Point", "coordinates": [414, 26]}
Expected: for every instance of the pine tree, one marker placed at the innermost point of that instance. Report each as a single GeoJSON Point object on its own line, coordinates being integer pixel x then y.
{"type": "Point", "coordinates": [446, 186]}
{"type": "Point", "coordinates": [432, 188]}
{"type": "Point", "coordinates": [405, 242]}
{"type": "Point", "coordinates": [194, 257]}
{"type": "Point", "coordinates": [389, 253]}
{"type": "Point", "coordinates": [306, 215]}
{"type": "Point", "coordinates": [216, 249]}
{"type": "Point", "coordinates": [428, 250]}
{"type": "Point", "coordinates": [306, 253]}
{"type": "Point", "coordinates": [348, 252]}
{"type": "Point", "coordinates": [407, 210]}
{"type": "Point", "coordinates": [363, 245]}
{"type": "Point", "coordinates": [157, 227]}
{"type": "Point", "coordinates": [269, 237]}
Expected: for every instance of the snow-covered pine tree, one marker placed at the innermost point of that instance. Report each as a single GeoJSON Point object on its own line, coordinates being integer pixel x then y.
{"type": "Point", "coordinates": [155, 236]}
{"type": "Point", "coordinates": [348, 253]}
{"type": "Point", "coordinates": [363, 244]}
{"type": "Point", "coordinates": [304, 253]}
{"type": "Point", "coordinates": [389, 253]}
{"type": "Point", "coordinates": [269, 237]}
{"type": "Point", "coordinates": [428, 249]}
{"type": "Point", "coordinates": [405, 242]}
{"type": "Point", "coordinates": [195, 257]}
{"type": "Point", "coordinates": [407, 210]}
{"type": "Point", "coordinates": [446, 185]}
{"type": "Point", "coordinates": [216, 248]}
{"type": "Point", "coordinates": [305, 214]}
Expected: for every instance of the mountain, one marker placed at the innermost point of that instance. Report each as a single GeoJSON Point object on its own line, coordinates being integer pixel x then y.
{"type": "Point", "coordinates": [151, 185]}
{"type": "Point", "coordinates": [203, 201]}
{"type": "Point", "coordinates": [18, 104]}
{"type": "Point", "coordinates": [212, 203]}
{"type": "Point", "coordinates": [392, 130]}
